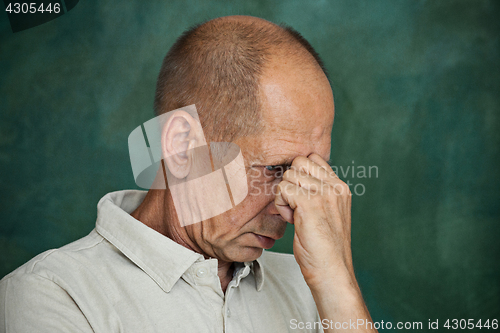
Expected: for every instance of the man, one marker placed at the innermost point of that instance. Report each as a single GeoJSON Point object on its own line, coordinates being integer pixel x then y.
{"type": "Point", "coordinates": [262, 87]}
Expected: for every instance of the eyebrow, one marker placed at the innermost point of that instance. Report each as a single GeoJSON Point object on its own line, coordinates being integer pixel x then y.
{"type": "Point", "coordinates": [283, 163]}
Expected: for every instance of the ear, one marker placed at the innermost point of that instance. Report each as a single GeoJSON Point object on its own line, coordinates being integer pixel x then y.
{"type": "Point", "coordinates": [178, 141]}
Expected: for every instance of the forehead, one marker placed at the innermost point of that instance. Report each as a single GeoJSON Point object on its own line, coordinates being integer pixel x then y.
{"type": "Point", "coordinates": [268, 150]}
{"type": "Point", "coordinates": [297, 114]}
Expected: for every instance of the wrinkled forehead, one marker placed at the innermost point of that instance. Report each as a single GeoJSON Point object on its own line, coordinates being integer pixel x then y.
{"type": "Point", "coordinates": [301, 122]}
{"type": "Point", "coordinates": [280, 145]}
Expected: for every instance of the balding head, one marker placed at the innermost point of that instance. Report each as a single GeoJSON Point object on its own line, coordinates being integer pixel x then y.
{"type": "Point", "coordinates": [218, 65]}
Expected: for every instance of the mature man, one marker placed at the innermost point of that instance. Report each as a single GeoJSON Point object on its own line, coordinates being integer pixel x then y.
{"type": "Point", "coordinates": [262, 87]}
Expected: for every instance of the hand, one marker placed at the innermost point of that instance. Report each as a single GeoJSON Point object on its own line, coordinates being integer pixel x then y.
{"type": "Point", "coordinates": [312, 197]}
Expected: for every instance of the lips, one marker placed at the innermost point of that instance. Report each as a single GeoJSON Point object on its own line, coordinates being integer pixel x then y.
{"type": "Point", "coordinates": [265, 242]}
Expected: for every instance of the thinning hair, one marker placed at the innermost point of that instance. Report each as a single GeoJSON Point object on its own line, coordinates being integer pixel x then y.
{"type": "Point", "coordinates": [217, 65]}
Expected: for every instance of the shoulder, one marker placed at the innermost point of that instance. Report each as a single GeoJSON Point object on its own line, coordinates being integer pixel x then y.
{"type": "Point", "coordinates": [37, 297]}
{"type": "Point", "coordinates": [55, 262]}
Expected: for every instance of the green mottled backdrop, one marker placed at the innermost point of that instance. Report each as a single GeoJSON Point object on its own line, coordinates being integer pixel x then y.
{"type": "Point", "coordinates": [417, 91]}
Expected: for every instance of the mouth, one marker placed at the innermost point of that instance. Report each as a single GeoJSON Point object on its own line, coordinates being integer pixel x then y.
{"type": "Point", "coordinates": [264, 241]}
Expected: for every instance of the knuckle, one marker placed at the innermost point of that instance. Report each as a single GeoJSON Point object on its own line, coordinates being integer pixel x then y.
{"type": "Point", "coordinates": [284, 186]}
{"type": "Point", "coordinates": [300, 161]}
{"type": "Point", "coordinates": [288, 174]}
{"type": "Point", "coordinates": [340, 188]}
{"type": "Point", "coordinates": [345, 189]}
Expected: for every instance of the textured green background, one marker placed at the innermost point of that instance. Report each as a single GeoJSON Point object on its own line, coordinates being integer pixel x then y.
{"type": "Point", "coordinates": [417, 87]}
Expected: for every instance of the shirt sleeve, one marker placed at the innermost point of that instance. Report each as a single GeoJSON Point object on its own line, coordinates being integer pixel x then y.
{"type": "Point", "coordinates": [32, 303]}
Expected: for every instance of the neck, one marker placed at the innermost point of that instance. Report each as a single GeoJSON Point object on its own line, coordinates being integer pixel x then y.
{"type": "Point", "coordinates": [225, 272]}
{"type": "Point", "coordinates": [157, 212]}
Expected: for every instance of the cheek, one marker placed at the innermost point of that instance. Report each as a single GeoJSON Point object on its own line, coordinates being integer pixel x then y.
{"type": "Point", "coordinates": [236, 221]}
{"type": "Point", "coordinates": [257, 199]}
{"type": "Point", "coordinates": [262, 191]}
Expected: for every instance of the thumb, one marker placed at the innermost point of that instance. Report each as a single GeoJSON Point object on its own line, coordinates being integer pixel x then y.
{"type": "Point", "coordinates": [283, 201]}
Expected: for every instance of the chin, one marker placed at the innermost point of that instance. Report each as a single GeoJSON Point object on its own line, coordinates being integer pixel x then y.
{"type": "Point", "coordinates": [246, 253]}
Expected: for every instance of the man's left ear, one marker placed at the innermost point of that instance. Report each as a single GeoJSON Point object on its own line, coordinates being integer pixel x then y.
{"type": "Point", "coordinates": [179, 137]}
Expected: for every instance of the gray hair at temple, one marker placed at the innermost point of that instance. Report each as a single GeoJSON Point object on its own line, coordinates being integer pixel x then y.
{"type": "Point", "coordinates": [216, 65]}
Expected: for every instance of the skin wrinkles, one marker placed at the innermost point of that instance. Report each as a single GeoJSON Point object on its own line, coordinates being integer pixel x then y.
{"type": "Point", "coordinates": [297, 114]}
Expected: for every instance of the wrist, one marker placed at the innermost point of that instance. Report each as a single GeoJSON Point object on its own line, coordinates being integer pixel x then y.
{"type": "Point", "coordinates": [338, 283]}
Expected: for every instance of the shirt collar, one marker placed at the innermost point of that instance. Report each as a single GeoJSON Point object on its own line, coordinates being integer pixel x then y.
{"type": "Point", "coordinates": [164, 260]}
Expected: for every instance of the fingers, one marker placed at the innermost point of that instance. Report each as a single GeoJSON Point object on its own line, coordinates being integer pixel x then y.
{"type": "Point", "coordinates": [319, 160]}
{"type": "Point", "coordinates": [314, 166]}
{"type": "Point", "coordinates": [283, 201]}
{"type": "Point", "coordinates": [309, 177]}
{"type": "Point", "coordinates": [310, 186]}
{"type": "Point", "coordinates": [303, 179]}
{"type": "Point", "coordinates": [288, 197]}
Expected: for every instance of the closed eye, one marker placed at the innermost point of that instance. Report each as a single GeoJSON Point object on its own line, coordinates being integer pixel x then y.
{"type": "Point", "coordinates": [275, 171]}
{"type": "Point", "coordinates": [267, 173]}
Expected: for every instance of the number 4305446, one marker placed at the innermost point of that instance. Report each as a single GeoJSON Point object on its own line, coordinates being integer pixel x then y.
{"type": "Point", "coordinates": [32, 8]}
{"type": "Point", "coordinates": [469, 324]}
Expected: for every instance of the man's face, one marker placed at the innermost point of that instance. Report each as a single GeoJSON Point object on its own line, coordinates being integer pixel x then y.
{"type": "Point", "coordinates": [297, 113]}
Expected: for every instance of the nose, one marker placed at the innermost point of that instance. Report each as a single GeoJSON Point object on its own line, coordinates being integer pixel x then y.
{"type": "Point", "coordinates": [271, 208]}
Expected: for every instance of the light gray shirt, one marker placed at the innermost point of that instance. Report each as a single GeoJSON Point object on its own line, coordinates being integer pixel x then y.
{"type": "Point", "coordinates": [126, 277]}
